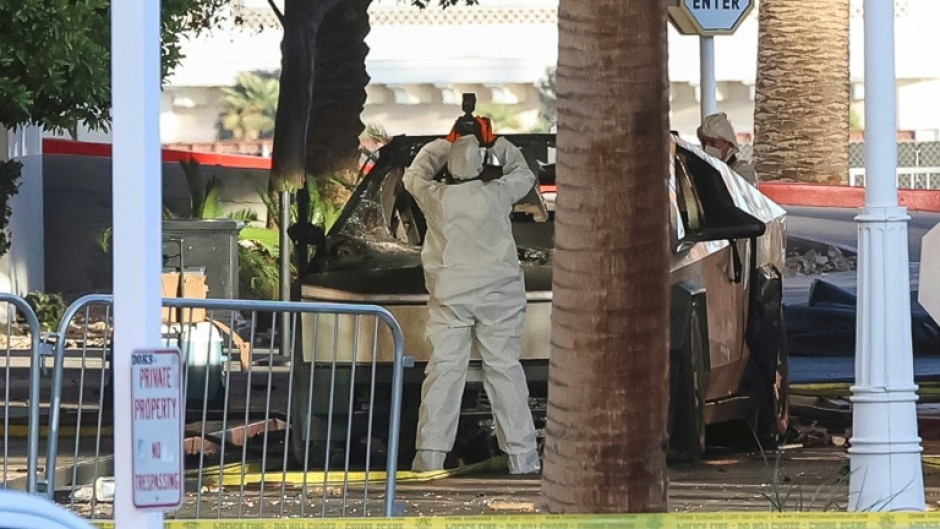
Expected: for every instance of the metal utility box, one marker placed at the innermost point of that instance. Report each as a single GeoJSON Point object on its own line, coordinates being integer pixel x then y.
{"type": "Point", "coordinates": [208, 244]}
{"type": "Point", "coordinates": [200, 348]}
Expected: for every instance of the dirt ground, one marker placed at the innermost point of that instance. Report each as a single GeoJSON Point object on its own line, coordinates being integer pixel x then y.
{"type": "Point", "coordinates": [809, 473]}
{"type": "Point", "coordinates": [796, 479]}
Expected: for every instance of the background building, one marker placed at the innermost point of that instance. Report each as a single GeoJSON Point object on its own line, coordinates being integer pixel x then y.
{"type": "Point", "coordinates": [420, 61]}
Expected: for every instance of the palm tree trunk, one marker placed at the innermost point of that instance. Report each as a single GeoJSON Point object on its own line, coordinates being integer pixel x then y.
{"type": "Point", "coordinates": [339, 90]}
{"type": "Point", "coordinates": [302, 21]}
{"type": "Point", "coordinates": [801, 114]}
{"type": "Point", "coordinates": [607, 399]}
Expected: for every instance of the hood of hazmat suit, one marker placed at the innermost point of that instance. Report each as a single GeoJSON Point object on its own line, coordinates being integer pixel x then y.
{"type": "Point", "coordinates": [718, 126]}
{"type": "Point", "coordinates": [464, 159]}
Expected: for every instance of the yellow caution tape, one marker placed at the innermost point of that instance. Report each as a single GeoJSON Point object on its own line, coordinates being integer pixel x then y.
{"type": "Point", "coordinates": [829, 520]}
{"type": "Point", "coordinates": [232, 475]}
{"type": "Point", "coordinates": [236, 474]}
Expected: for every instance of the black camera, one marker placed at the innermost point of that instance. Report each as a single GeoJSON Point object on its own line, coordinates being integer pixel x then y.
{"type": "Point", "coordinates": [467, 124]}
{"type": "Point", "coordinates": [469, 103]}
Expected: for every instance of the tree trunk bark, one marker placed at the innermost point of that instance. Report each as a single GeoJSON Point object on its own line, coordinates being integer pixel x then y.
{"type": "Point", "coordinates": [607, 399]}
{"type": "Point", "coordinates": [339, 92]}
{"type": "Point", "coordinates": [801, 108]}
{"type": "Point", "coordinates": [302, 20]}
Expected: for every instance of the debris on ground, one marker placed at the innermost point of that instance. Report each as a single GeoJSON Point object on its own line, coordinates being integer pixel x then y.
{"type": "Point", "coordinates": [801, 261]}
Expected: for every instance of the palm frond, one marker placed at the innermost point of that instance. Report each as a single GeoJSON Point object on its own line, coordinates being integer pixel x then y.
{"type": "Point", "coordinates": [266, 239]}
{"type": "Point", "coordinates": [244, 215]}
{"type": "Point", "coordinates": [212, 205]}
{"type": "Point", "coordinates": [192, 170]}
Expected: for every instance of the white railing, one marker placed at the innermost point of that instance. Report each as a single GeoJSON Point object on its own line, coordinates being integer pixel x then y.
{"type": "Point", "coordinates": [908, 177]}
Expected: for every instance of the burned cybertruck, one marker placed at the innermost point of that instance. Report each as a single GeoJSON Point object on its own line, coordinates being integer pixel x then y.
{"type": "Point", "coordinates": [728, 355]}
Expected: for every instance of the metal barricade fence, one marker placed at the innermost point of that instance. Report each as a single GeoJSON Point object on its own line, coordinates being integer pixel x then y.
{"type": "Point", "coordinates": [22, 344]}
{"type": "Point", "coordinates": [265, 435]}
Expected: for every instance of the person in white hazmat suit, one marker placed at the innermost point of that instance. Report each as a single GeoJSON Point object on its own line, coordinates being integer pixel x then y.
{"type": "Point", "coordinates": [477, 295]}
{"type": "Point", "coordinates": [719, 140]}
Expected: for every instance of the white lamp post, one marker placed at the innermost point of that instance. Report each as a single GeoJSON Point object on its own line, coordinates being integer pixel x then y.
{"type": "Point", "coordinates": [885, 449]}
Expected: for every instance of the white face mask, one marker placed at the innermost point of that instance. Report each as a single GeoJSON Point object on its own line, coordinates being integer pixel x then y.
{"type": "Point", "coordinates": [714, 151]}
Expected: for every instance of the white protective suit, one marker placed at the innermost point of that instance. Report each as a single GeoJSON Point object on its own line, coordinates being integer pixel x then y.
{"type": "Point", "coordinates": [477, 295]}
{"type": "Point", "coordinates": [717, 126]}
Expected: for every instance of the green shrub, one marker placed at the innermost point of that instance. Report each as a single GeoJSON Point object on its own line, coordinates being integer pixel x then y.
{"type": "Point", "coordinates": [49, 308]}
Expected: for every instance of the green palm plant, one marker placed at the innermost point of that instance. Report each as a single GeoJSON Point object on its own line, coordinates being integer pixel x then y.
{"type": "Point", "coordinates": [249, 107]}
{"type": "Point", "coordinates": [258, 247]}
{"type": "Point", "coordinates": [261, 244]}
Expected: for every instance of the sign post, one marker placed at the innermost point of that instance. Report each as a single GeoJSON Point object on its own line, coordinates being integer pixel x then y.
{"type": "Point", "coordinates": [707, 18]}
{"type": "Point", "coordinates": [708, 87]}
{"type": "Point", "coordinates": [136, 185]}
{"type": "Point", "coordinates": [157, 428]}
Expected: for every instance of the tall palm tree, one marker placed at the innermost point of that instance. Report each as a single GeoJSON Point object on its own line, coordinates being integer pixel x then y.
{"type": "Point", "coordinates": [339, 90]}
{"type": "Point", "coordinates": [801, 114]}
{"type": "Point", "coordinates": [323, 80]}
{"type": "Point", "coordinates": [323, 83]}
{"type": "Point", "coordinates": [249, 107]}
{"type": "Point", "coordinates": [302, 20]}
{"type": "Point", "coordinates": [607, 397]}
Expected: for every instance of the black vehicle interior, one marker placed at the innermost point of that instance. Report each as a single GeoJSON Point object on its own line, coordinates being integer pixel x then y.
{"type": "Point", "coordinates": [707, 208]}
{"type": "Point", "coordinates": [407, 224]}
{"type": "Point", "coordinates": [406, 221]}
{"type": "Point", "coordinates": [382, 228]}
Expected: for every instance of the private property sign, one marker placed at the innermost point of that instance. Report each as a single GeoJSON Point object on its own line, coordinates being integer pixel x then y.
{"type": "Point", "coordinates": [708, 17]}
{"type": "Point", "coordinates": [157, 428]}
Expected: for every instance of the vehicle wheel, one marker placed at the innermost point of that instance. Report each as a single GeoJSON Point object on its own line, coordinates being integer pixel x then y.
{"type": "Point", "coordinates": [688, 380]}
{"type": "Point", "coordinates": [778, 412]}
{"type": "Point", "coordinates": [766, 378]}
{"type": "Point", "coordinates": [773, 410]}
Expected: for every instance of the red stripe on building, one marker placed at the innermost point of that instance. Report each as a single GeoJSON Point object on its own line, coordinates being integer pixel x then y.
{"type": "Point", "coordinates": [830, 196]}
{"type": "Point", "coordinates": [85, 148]}
{"type": "Point", "coordinates": [784, 193]}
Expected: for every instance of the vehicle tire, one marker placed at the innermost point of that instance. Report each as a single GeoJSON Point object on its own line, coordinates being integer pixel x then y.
{"type": "Point", "coordinates": [766, 378]}
{"type": "Point", "coordinates": [774, 417]}
{"type": "Point", "coordinates": [688, 375]}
